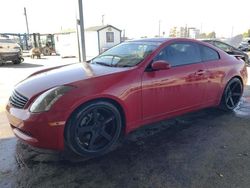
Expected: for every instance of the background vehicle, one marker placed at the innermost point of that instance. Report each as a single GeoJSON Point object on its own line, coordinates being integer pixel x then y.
{"type": "Point", "coordinates": [10, 51]}
{"type": "Point", "coordinates": [245, 46]}
{"type": "Point", "coordinates": [229, 49]}
{"type": "Point", "coordinates": [134, 83]}
{"type": "Point", "coordinates": [44, 42]}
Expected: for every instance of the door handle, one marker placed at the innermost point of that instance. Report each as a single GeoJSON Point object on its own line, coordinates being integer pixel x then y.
{"type": "Point", "coordinates": [200, 72]}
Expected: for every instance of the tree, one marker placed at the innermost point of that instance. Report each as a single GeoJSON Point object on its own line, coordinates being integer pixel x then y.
{"type": "Point", "coordinates": [211, 35]}
{"type": "Point", "coordinates": [202, 36]}
{"type": "Point", "coordinates": [246, 34]}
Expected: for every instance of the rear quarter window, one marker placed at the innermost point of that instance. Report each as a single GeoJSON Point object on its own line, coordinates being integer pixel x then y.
{"type": "Point", "coordinates": [209, 54]}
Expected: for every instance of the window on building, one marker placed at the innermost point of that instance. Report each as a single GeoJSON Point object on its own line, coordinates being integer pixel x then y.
{"type": "Point", "coordinates": [110, 36]}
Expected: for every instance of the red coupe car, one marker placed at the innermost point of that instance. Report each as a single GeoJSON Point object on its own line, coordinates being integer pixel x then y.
{"type": "Point", "coordinates": [89, 106]}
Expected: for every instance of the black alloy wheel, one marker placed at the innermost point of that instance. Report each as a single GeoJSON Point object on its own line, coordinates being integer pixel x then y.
{"type": "Point", "coordinates": [94, 129]}
{"type": "Point", "coordinates": [232, 94]}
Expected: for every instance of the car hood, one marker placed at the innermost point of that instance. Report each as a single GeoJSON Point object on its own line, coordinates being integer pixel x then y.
{"type": "Point", "coordinates": [63, 75]}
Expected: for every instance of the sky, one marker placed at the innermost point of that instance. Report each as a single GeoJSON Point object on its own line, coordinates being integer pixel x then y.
{"type": "Point", "coordinates": [137, 17]}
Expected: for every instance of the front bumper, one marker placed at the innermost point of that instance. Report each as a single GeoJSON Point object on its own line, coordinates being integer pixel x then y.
{"type": "Point", "coordinates": [42, 130]}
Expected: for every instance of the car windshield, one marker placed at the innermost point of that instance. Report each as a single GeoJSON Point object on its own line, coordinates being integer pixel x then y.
{"type": "Point", "coordinates": [127, 54]}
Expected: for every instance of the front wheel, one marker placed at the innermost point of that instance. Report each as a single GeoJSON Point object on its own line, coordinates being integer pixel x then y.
{"type": "Point", "coordinates": [93, 129]}
{"type": "Point", "coordinates": [232, 94]}
{"type": "Point", "coordinates": [17, 61]}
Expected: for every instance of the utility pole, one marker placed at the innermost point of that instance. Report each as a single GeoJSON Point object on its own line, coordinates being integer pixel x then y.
{"type": "Point", "coordinates": [78, 39]}
{"type": "Point", "coordinates": [103, 19]}
{"type": "Point", "coordinates": [27, 27]}
{"type": "Point", "coordinates": [83, 51]}
{"type": "Point", "coordinates": [124, 35]}
{"type": "Point", "coordinates": [232, 31]}
{"type": "Point", "coordinates": [26, 19]}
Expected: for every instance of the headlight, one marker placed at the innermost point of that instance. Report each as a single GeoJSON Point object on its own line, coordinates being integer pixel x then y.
{"type": "Point", "coordinates": [48, 98]}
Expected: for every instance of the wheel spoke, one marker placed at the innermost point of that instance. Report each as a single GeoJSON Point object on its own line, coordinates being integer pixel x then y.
{"type": "Point", "coordinates": [85, 129]}
{"type": "Point", "coordinates": [229, 90]}
{"type": "Point", "coordinates": [231, 100]}
{"type": "Point", "coordinates": [92, 140]}
{"type": "Point", "coordinates": [95, 115]}
{"type": "Point", "coordinates": [235, 85]}
{"type": "Point", "coordinates": [236, 94]}
{"type": "Point", "coordinates": [227, 99]}
{"type": "Point", "coordinates": [106, 135]}
{"type": "Point", "coordinates": [111, 118]}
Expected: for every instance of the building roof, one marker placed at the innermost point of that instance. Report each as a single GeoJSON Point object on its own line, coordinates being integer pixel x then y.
{"type": "Point", "coordinates": [98, 28]}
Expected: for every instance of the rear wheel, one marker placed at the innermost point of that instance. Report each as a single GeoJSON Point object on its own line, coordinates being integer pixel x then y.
{"type": "Point", "coordinates": [232, 94]}
{"type": "Point", "coordinates": [46, 51]}
{"type": "Point", "coordinates": [94, 129]}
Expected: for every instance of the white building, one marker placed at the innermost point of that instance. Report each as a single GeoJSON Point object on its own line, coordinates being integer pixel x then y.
{"type": "Point", "coordinates": [193, 32]}
{"type": "Point", "coordinates": [100, 38]}
{"type": "Point", "coordinates": [189, 32]}
{"type": "Point", "coordinates": [66, 44]}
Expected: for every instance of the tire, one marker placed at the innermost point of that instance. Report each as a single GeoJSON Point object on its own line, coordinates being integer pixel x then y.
{"type": "Point", "coordinates": [17, 62]}
{"type": "Point", "coordinates": [93, 129]}
{"type": "Point", "coordinates": [46, 51]}
{"type": "Point", "coordinates": [232, 95]}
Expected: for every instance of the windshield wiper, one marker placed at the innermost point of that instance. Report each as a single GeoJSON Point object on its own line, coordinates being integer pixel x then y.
{"type": "Point", "coordinates": [101, 63]}
{"type": "Point", "coordinates": [124, 65]}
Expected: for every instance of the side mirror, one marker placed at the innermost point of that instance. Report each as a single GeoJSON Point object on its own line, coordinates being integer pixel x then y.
{"type": "Point", "coordinates": [160, 65]}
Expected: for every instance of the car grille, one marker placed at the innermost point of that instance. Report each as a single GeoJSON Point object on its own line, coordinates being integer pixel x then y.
{"type": "Point", "coordinates": [17, 100]}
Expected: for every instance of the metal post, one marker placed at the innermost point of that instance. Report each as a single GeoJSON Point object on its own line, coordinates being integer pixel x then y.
{"type": "Point", "coordinates": [232, 32]}
{"type": "Point", "coordinates": [78, 43]}
{"type": "Point", "coordinates": [83, 54]}
{"type": "Point", "coordinates": [103, 19]}
{"type": "Point", "coordinates": [26, 18]}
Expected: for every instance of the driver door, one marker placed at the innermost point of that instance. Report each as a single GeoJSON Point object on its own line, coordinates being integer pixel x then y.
{"type": "Point", "coordinates": [178, 88]}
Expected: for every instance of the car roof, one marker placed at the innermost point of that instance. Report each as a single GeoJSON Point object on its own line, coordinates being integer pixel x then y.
{"type": "Point", "coordinates": [162, 40]}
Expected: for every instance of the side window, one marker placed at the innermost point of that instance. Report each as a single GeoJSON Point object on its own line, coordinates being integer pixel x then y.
{"type": "Point", "coordinates": [181, 53]}
{"type": "Point", "coordinates": [208, 54]}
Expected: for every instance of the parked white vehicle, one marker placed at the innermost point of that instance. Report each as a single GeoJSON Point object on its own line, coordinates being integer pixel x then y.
{"type": "Point", "coordinates": [10, 51]}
